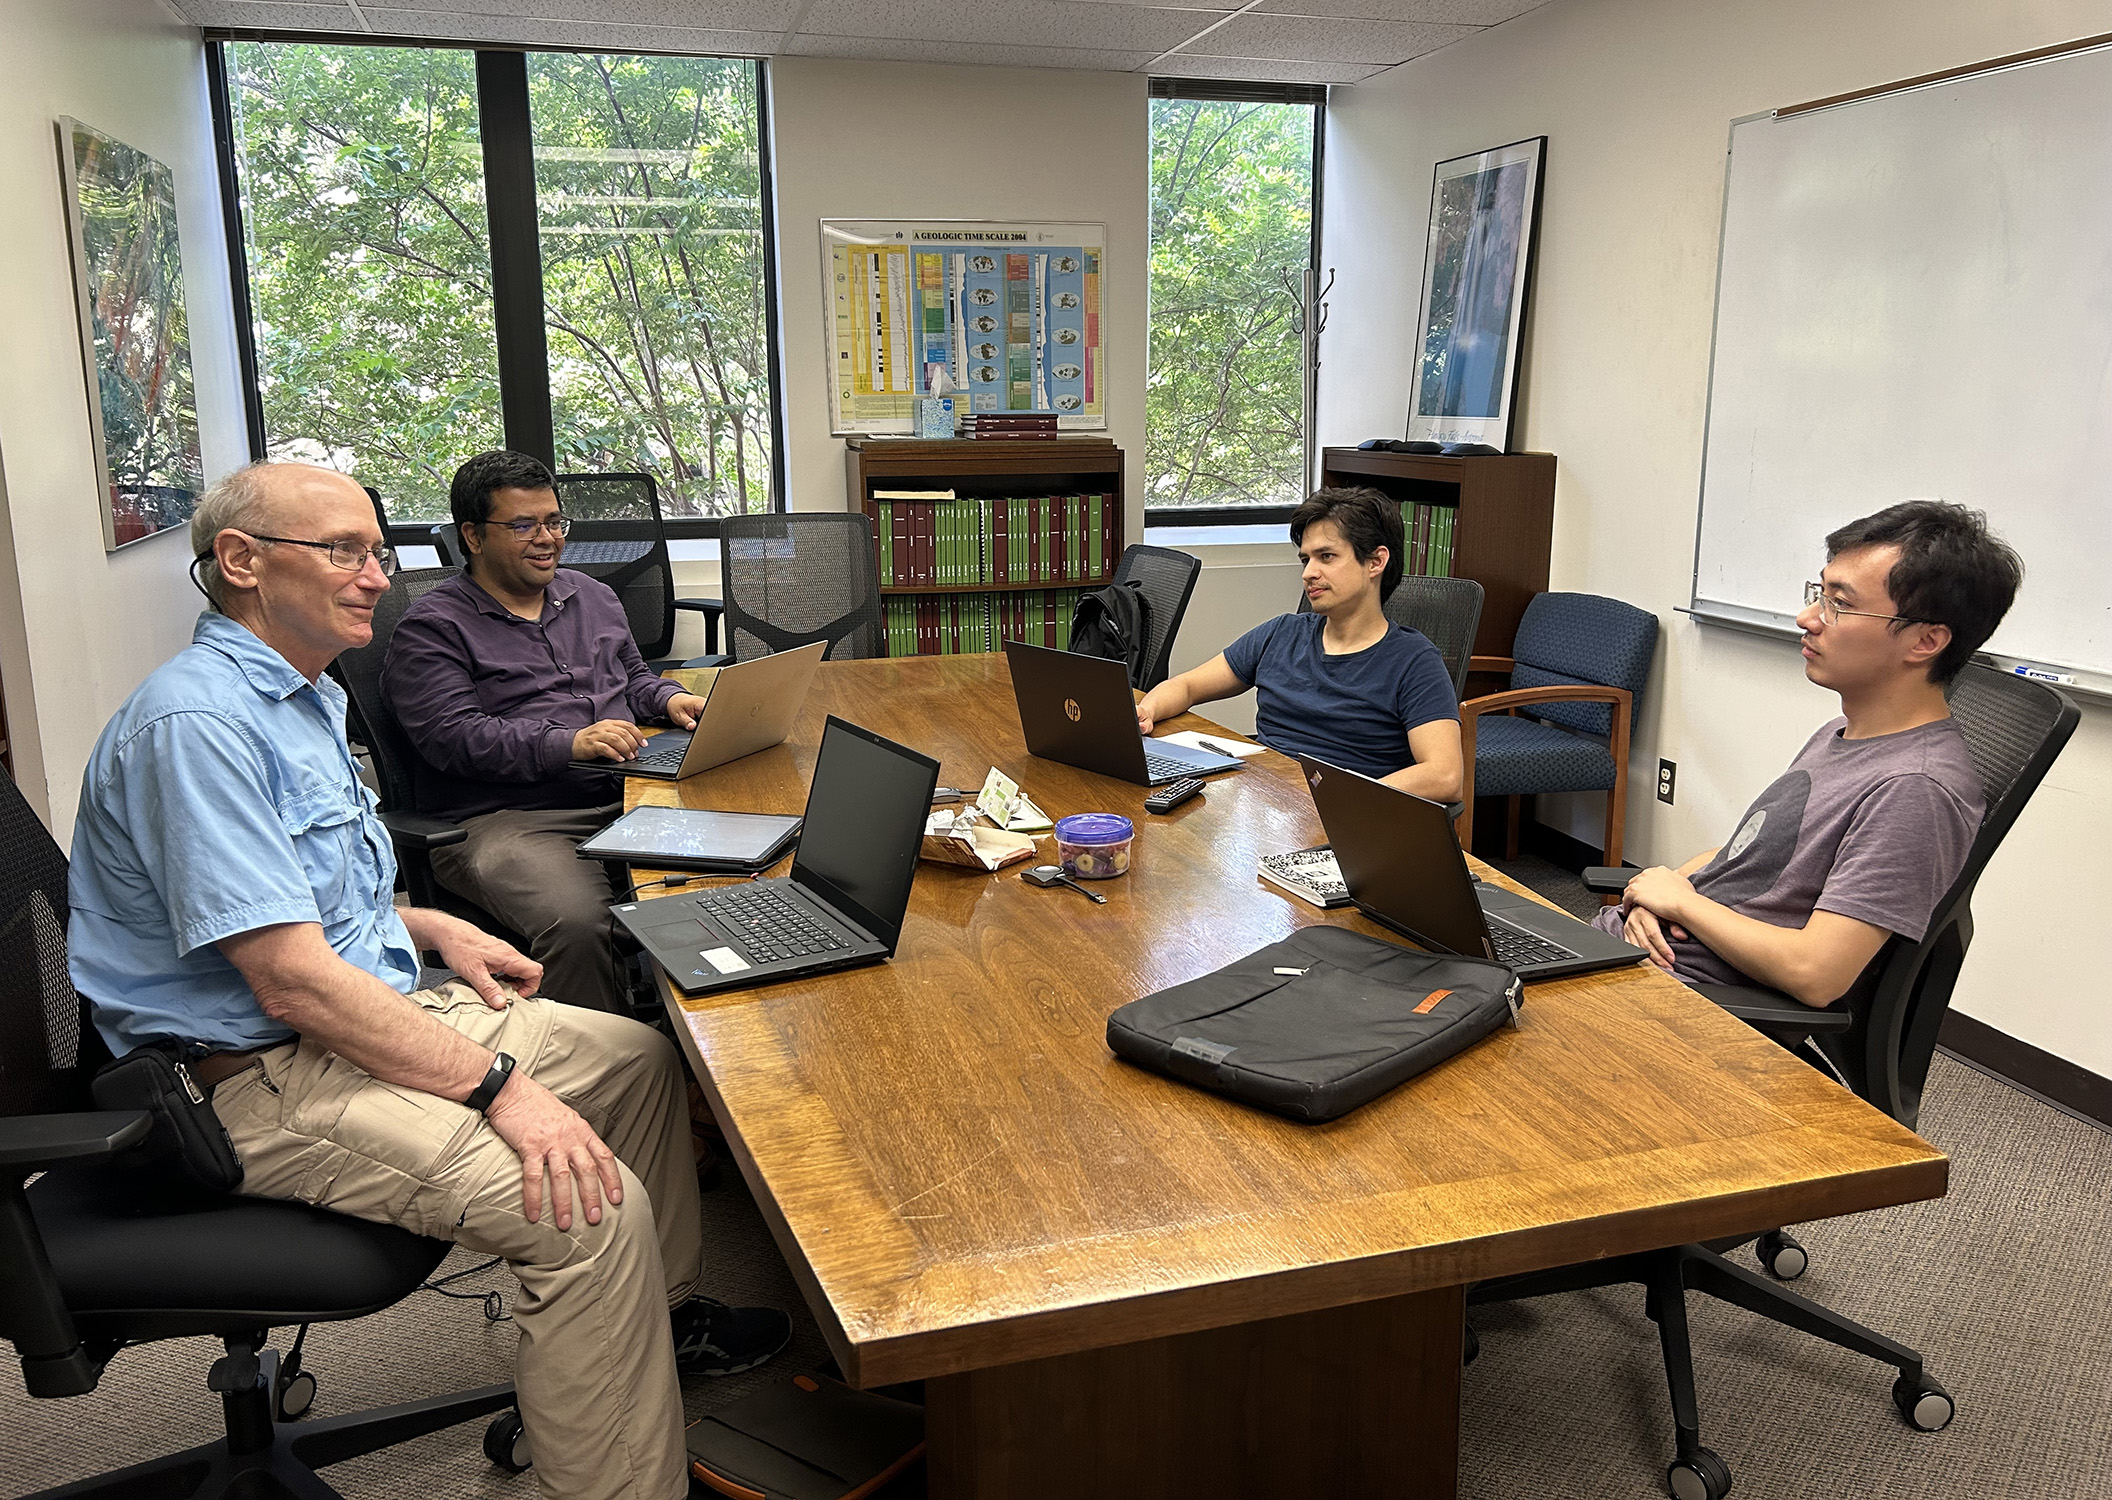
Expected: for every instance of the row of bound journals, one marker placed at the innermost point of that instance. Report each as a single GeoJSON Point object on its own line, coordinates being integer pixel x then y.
{"type": "Point", "coordinates": [1428, 532]}
{"type": "Point", "coordinates": [953, 624]}
{"type": "Point", "coordinates": [928, 537]}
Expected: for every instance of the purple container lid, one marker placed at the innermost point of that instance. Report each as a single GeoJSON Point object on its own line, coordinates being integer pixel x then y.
{"type": "Point", "coordinates": [1094, 828]}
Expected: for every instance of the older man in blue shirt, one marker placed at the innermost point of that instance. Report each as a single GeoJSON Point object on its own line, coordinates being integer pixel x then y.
{"type": "Point", "coordinates": [232, 889]}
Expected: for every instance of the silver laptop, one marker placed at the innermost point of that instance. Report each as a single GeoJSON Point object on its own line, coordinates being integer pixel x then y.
{"type": "Point", "coordinates": [748, 706]}
{"type": "Point", "coordinates": [1404, 869]}
{"type": "Point", "coordinates": [1079, 710]}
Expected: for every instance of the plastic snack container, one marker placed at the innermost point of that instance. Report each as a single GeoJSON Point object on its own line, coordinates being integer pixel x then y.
{"type": "Point", "coordinates": [1094, 846]}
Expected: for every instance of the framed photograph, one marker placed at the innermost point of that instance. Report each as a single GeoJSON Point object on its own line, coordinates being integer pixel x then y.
{"type": "Point", "coordinates": [135, 340]}
{"type": "Point", "coordinates": [1011, 312]}
{"type": "Point", "coordinates": [1484, 218]}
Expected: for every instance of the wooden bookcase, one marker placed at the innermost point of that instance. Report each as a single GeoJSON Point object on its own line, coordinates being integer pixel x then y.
{"type": "Point", "coordinates": [988, 470]}
{"type": "Point", "coordinates": [1504, 530]}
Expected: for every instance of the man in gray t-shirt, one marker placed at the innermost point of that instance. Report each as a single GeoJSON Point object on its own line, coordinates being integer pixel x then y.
{"type": "Point", "coordinates": [1871, 823]}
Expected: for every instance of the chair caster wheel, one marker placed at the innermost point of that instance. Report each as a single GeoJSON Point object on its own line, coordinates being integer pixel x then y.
{"type": "Point", "coordinates": [1926, 1405]}
{"type": "Point", "coordinates": [1699, 1475]}
{"type": "Point", "coordinates": [506, 1443]}
{"type": "Point", "coordinates": [293, 1397]}
{"type": "Point", "coordinates": [1472, 1348]}
{"type": "Point", "coordinates": [1781, 1256]}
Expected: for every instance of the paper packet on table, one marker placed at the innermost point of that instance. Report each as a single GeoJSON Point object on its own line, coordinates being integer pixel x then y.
{"type": "Point", "coordinates": [967, 836]}
{"type": "Point", "coordinates": [1007, 806]}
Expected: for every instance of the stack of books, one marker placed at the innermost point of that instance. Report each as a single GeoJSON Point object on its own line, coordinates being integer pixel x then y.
{"type": "Point", "coordinates": [950, 624]}
{"type": "Point", "coordinates": [930, 539]}
{"type": "Point", "coordinates": [1006, 426]}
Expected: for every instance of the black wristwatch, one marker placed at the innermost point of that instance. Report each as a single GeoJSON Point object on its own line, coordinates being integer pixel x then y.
{"type": "Point", "coordinates": [488, 1090]}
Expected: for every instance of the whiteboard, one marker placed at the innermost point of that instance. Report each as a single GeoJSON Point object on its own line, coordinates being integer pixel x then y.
{"type": "Point", "coordinates": [1915, 299]}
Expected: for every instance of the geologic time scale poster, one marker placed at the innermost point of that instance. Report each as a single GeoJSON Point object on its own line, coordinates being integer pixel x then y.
{"type": "Point", "coordinates": [1010, 312]}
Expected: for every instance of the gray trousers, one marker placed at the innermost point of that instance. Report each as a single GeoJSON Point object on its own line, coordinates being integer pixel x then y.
{"type": "Point", "coordinates": [522, 868]}
{"type": "Point", "coordinates": [596, 1367]}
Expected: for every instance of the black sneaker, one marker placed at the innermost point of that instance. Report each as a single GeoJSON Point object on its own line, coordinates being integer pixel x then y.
{"type": "Point", "coordinates": [714, 1339]}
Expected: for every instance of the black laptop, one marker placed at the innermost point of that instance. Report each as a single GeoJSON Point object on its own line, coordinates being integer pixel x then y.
{"type": "Point", "coordinates": [1079, 710]}
{"type": "Point", "coordinates": [843, 903]}
{"type": "Point", "coordinates": [1404, 869]}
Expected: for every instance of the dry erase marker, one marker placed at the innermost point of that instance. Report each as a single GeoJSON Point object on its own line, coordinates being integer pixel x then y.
{"type": "Point", "coordinates": [2045, 674]}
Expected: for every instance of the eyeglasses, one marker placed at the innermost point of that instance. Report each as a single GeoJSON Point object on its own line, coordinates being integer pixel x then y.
{"type": "Point", "coordinates": [1830, 610]}
{"type": "Point", "coordinates": [351, 556]}
{"type": "Point", "coordinates": [522, 530]}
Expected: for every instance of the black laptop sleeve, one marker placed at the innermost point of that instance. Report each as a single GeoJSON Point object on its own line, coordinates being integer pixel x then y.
{"type": "Point", "coordinates": [1317, 1024]}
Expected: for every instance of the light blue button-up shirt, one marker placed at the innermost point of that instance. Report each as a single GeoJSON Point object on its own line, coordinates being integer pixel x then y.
{"type": "Point", "coordinates": [219, 800]}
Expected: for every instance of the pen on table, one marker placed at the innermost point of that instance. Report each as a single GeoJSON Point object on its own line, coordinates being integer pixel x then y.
{"type": "Point", "coordinates": [1213, 745]}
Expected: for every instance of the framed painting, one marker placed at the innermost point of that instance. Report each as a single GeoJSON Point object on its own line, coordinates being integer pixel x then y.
{"type": "Point", "coordinates": [135, 340]}
{"type": "Point", "coordinates": [1484, 218]}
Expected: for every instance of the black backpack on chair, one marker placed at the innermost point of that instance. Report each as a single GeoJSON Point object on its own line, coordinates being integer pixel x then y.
{"type": "Point", "coordinates": [1114, 622]}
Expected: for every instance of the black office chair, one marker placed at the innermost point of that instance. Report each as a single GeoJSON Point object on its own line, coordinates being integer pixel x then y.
{"type": "Point", "coordinates": [1878, 1039]}
{"type": "Point", "coordinates": [619, 537]}
{"type": "Point", "coordinates": [103, 1251]}
{"type": "Point", "coordinates": [790, 579]}
{"type": "Point", "coordinates": [1445, 610]}
{"type": "Point", "coordinates": [1166, 577]}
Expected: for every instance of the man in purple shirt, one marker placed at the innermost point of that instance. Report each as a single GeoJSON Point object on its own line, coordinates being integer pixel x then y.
{"type": "Point", "coordinates": [502, 677]}
{"type": "Point", "coordinates": [1866, 831]}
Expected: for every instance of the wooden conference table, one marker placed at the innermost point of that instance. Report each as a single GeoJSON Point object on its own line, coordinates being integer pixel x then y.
{"type": "Point", "coordinates": [1113, 1284]}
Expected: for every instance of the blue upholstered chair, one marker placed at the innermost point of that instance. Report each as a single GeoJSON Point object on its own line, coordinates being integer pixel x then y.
{"type": "Point", "coordinates": [1577, 668]}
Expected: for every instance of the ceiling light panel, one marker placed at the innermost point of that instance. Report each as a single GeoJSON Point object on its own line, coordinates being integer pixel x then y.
{"type": "Point", "coordinates": [1326, 39]}
{"type": "Point", "coordinates": [1051, 23]}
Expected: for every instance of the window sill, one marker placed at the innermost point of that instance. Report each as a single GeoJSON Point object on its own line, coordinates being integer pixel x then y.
{"type": "Point", "coordinates": [1192, 537]}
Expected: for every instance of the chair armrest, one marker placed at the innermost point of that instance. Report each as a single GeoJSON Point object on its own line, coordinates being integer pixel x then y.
{"type": "Point", "coordinates": [1493, 703]}
{"type": "Point", "coordinates": [1772, 1011]}
{"type": "Point", "coordinates": [1607, 880]}
{"type": "Point", "coordinates": [712, 610]}
{"type": "Point", "coordinates": [37, 1143]}
{"type": "Point", "coordinates": [421, 833]}
{"type": "Point", "coordinates": [1501, 665]}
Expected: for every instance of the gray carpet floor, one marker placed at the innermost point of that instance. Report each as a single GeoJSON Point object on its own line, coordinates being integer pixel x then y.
{"type": "Point", "coordinates": [2005, 1285]}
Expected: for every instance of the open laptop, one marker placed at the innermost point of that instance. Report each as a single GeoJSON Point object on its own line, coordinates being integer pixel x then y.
{"type": "Point", "coordinates": [1079, 710]}
{"type": "Point", "coordinates": [843, 903]}
{"type": "Point", "coordinates": [1404, 869]}
{"type": "Point", "coordinates": [748, 706]}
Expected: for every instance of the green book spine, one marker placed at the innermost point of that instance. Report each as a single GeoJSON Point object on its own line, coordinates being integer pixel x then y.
{"type": "Point", "coordinates": [883, 524]}
{"type": "Point", "coordinates": [1098, 522]}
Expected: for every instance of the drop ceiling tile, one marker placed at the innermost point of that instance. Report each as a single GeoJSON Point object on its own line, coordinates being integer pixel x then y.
{"type": "Point", "coordinates": [971, 54]}
{"type": "Point", "coordinates": [1261, 69]}
{"type": "Point", "coordinates": [1051, 23]}
{"type": "Point", "coordinates": [1329, 39]}
{"type": "Point", "coordinates": [590, 36]}
{"type": "Point", "coordinates": [281, 17]}
{"type": "Point", "coordinates": [1443, 12]}
{"type": "Point", "coordinates": [725, 15]}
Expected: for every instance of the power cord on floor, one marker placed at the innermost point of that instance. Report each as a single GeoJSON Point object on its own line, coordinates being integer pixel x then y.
{"type": "Point", "coordinates": [494, 1303]}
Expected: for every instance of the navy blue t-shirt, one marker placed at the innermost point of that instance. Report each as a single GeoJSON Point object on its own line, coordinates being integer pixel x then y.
{"type": "Point", "coordinates": [1353, 711]}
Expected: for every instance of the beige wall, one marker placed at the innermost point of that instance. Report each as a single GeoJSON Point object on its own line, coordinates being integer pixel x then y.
{"type": "Point", "coordinates": [1066, 147]}
{"type": "Point", "coordinates": [1636, 99]}
{"type": "Point", "coordinates": [79, 628]}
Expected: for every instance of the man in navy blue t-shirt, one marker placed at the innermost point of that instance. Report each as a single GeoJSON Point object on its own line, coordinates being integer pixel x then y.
{"type": "Point", "coordinates": [1343, 684]}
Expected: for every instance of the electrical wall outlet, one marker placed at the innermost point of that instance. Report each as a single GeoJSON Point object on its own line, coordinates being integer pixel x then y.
{"type": "Point", "coordinates": [1667, 773]}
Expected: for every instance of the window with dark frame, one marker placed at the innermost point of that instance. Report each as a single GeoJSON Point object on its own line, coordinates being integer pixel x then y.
{"type": "Point", "coordinates": [438, 250]}
{"type": "Point", "coordinates": [1235, 228]}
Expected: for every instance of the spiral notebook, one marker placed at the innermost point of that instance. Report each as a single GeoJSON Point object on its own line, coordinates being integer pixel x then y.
{"type": "Point", "coordinates": [1309, 874]}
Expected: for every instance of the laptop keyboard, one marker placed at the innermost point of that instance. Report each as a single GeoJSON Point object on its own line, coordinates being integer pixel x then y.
{"type": "Point", "coordinates": [669, 759]}
{"type": "Point", "coordinates": [771, 928]}
{"type": "Point", "coordinates": [1159, 767]}
{"type": "Point", "coordinates": [1516, 947]}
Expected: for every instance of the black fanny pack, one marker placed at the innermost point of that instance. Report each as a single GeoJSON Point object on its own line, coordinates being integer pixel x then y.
{"type": "Point", "coordinates": [157, 1079]}
{"type": "Point", "coordinates": [1317, 1024]}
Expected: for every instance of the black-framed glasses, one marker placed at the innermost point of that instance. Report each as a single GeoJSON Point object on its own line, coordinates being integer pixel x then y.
{"type": "Point", "coordinates": [351, 556]}
{"type": "Point", "coordinates": [522, 530]}
{"type": "Point", "coordinates": [1830, 610]}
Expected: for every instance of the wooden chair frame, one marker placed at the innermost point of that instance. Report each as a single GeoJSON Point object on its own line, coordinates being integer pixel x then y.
{"type": "Point", "coordinates": [1508, 702]}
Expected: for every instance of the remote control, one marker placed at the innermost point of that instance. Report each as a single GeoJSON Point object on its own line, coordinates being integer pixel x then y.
{"type": "Point", "coordinates": [1167, 798]}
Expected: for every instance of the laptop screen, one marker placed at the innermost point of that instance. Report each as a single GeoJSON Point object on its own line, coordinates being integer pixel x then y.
{"type": "Point", "coordinates": [865, 821]}
{"type": "Point", "coordinates": [1399, 858]}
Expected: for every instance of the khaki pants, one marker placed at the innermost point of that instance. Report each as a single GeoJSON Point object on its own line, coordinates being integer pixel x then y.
{"type": "Point", "coordinates": [596, 1366]}
{"type": "Point", "coordinates": [523, 868]}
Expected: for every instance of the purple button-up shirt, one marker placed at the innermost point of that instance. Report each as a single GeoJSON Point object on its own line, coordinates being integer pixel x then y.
{"type": "Point", "coordinates": [491, 701]}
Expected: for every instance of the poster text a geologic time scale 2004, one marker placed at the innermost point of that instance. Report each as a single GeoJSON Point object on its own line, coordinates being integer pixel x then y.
{"type": "Point", "coordinates": [1011, 312]}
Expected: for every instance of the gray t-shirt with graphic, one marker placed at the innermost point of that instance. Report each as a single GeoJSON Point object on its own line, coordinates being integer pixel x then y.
{"type": "Point", "coordinates": [1875, 829]}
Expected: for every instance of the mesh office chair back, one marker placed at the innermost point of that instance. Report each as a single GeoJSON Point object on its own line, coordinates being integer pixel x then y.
{"type": "Point", "coordinates": [2015, 729]}
{"type": "Point", "coordinates": [618, 536]}
{"type": "Point", "coordinates": [44, 1064]}
{"type": "Point", "coordinates": [1167, 579]}
{"type": "Point", "coordinates": [789, 580]}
